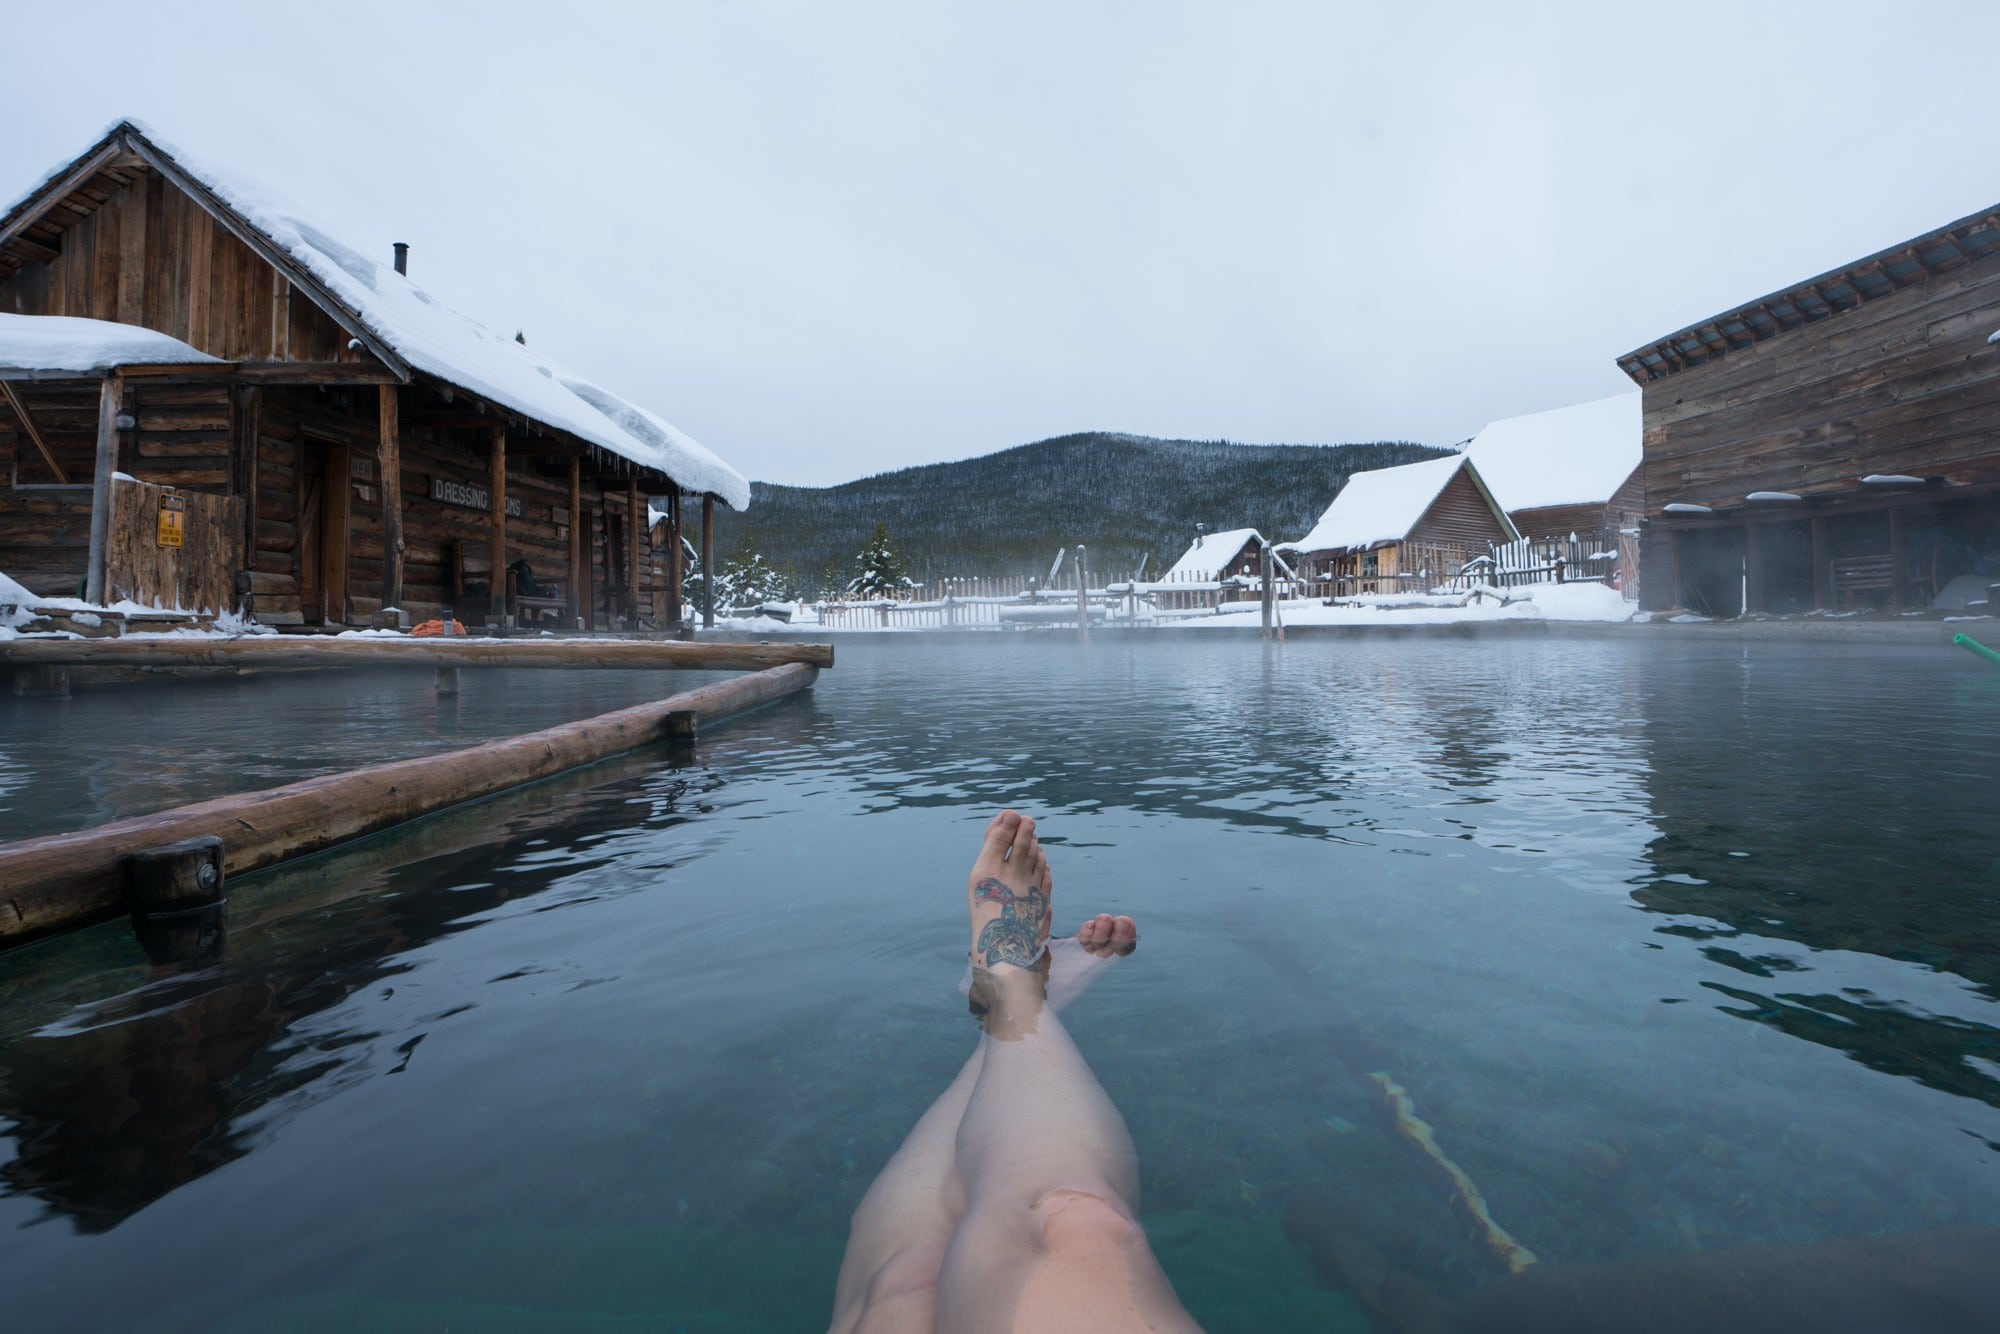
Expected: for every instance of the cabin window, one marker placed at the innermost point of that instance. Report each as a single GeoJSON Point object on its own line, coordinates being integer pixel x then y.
{"type": "Point", "coordinates": [1371, 563]}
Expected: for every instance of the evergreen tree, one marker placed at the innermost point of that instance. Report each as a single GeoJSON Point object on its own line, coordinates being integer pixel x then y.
{"type": "Point", "coordinates": [879, 571]}
{"type": "Point", "coordinates": [746, 579]}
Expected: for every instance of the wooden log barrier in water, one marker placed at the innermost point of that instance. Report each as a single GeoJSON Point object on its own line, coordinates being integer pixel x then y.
{"type": "Point", "coordinates": [63, 881]}
{"type": "Point", "coordinates": [306, 651]}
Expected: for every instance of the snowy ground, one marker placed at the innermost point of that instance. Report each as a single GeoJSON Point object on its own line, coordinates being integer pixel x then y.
{"type": "Point", "coordinates": [1544, 602]}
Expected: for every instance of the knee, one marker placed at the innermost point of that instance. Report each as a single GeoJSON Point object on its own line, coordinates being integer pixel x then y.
{"type": "Point", "coordinates": [1082, 1219]}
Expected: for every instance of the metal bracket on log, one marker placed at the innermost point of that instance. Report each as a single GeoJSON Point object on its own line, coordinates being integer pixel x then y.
{"type": "Point", "coordinates": [179, 912]}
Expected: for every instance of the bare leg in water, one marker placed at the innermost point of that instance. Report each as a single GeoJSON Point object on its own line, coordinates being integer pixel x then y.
{"type": "Point", "coordinates": [1012, 1205]}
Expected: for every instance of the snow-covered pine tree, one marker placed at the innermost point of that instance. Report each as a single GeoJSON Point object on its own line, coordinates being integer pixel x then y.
{"type": "Point", "coordinates": [879, 571]}
{"type": "Point", "coordinates": [747, 580]}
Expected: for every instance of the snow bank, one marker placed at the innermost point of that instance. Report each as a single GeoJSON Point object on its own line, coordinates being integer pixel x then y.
{"type": "Point", "coordinates": [68, 343]}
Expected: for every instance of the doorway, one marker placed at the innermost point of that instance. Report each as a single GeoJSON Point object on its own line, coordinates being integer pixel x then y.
{"type": "Point", "coordinates": [324, 490]}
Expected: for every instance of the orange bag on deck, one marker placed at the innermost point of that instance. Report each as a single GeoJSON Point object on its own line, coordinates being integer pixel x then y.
{"type": "Point", "coordinates": [436, 627]}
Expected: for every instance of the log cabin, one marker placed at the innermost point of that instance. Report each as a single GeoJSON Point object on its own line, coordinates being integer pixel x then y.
{"type": "Point", "coordinates": [180, 350]}
{"type": "Point", "coordinates": [1830, 445]}
{"type": "Point", "coordinates": [1393, 528]}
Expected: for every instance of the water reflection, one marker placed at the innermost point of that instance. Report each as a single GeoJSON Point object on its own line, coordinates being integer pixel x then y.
{"type": "Point", "coordinates": [1825, 810]}
{"type": "Point", "coordinates": [115, 1103]}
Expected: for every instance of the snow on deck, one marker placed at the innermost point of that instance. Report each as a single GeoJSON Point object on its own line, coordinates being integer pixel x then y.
{"type": "Point", "coordinates": [69, 343]}
{"type": "Point", "coordinates": [438, 340]}
{"type": "Point", "coordinates": [1578, 455]}
{"type": "Point", "coordinates": [1380, 506]}
{"type": "Point", "coordinates": [1203, 561]}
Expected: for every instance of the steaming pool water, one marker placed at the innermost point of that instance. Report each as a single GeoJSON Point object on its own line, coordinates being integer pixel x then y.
{"type": "Point", "coordinates": [1684, 946]}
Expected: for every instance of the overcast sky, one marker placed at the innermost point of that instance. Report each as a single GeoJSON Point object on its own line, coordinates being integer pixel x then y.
{"type": "Point", "coordinates": [834, 237]}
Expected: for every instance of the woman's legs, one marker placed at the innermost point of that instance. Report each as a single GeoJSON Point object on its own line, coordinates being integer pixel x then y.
{"type": "Point", "coordinates": [889, 1276]}
{"type": "Point", "coordinates": [1049, 1238]}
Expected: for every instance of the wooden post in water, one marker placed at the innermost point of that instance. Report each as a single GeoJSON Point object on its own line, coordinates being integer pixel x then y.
{"type": "Point", "coordinates": [1269, 596]}
{"type": "Point", "coordinates": [175, 894]}
{"type": "Point", "coordinates": [110, 393]}
{"type": "Point", "coordinates": [1082, 597]}
{"type": "Point", "coordinates": [389, 472]}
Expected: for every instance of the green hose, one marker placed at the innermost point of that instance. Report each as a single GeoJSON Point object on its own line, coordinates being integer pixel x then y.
{"type": "Point", "coordinates": [1967, 641]}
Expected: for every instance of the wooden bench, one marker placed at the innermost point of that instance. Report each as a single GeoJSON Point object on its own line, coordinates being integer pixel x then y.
{"type": "Point", "coordinates": [551, 602]}
{"type": "Point", "coordinates": [1860, 574]}
{"type": "Point", "coordinates": [472, 598]}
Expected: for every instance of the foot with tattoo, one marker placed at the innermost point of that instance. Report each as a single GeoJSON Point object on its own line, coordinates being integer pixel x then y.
{"type": "Point", "coordinates": [1013, 966]}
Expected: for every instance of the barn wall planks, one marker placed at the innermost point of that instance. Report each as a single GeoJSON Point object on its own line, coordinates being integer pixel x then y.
{"type": "Point", "coordinates": [1459, 516]}
{"type": "Point", "coordinates": [1903, 384]}
{"type": "Point", "coordinates": [199, 575]}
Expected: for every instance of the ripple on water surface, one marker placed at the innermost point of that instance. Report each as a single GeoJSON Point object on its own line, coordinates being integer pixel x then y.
{"type": "Point", "coordinates": [1681, 950]}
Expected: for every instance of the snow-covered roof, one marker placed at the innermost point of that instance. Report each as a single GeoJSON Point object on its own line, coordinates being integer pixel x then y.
{"type": "Point", "coordinates": [68, 343]}
{"type": "Point", "coordinates": [1579, 455]}
{"type": "Point", "coordinates": [1380, 506]}
{"type": "Point", "coordinates": [1204, 559]}
{"type": "Point", "coordinates": [431, 337]}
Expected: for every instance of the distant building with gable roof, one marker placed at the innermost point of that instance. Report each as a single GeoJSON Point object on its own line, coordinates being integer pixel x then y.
{"type": "Point", "coordinates": [1396, 527]}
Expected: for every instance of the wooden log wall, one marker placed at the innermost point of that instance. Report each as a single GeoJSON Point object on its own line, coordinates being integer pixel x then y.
{"type": "Point", "coordinates": [1905, 383]}
{"type": "Point", "coordinates": [150, 255]}
{"type": "Point", "coordinates": [299, 421]}
{"type": "Point", "coordinates": [199, 575]}
{"type": "Point", "coordinates": [182, 439]}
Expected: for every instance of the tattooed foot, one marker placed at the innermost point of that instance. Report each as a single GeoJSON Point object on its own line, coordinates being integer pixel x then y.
{"type": "Point", "coordinates": [1008, 894]}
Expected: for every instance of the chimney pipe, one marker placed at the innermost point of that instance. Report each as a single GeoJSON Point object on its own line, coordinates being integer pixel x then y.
{"type": "Point", "coordinates": [402, 256]}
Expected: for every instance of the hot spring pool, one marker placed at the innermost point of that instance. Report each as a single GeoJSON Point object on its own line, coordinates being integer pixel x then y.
{"type": "Point", "coordinates": [1682, 947]}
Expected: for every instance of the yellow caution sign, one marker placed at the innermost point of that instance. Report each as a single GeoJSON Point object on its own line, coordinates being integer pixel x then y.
{"type": "Point", "coordinates": [173, 514]}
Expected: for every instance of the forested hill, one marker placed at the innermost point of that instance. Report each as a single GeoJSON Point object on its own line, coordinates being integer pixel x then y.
{"type": "Point", "coordinates": [1121, 495]}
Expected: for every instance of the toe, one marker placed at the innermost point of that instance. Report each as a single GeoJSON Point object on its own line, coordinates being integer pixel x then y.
{"type": "Point", "coordinates": [1023, 836]}
{"type": "Point", "coordinates": [1124, 932]}
{"type": "Point", "coordinates": [999, 837]}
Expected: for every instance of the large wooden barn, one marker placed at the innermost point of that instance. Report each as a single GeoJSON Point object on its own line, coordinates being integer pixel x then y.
{"type": "Point", "coordinates": [321, 436]}
{"type": "Point", "coordinates": [1833, 444]}
{"type": "Point", "coordinates": [1396, 527]}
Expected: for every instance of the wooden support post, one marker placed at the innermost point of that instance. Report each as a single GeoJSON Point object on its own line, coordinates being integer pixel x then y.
{"type": "Point", "coordinates": [110, 394]}
{"type": "Point", "coordinates": [682, 725]}
{"type": "Point", "coordinates": [249, 445]}
{"type": "Point", "coordinates": [1898, 559]}
{"type": "Point", "coordinates": [1267, 598]}
{"type": "Point", "coordinates": [1822, 562]}
{"type": "Point", "coordinates": [708, 562]}
{"type": "Point", "coordinates": [633, 522]}
{"type": "Point", "coordinates": [175, 895]}
{"type": "Point", "coordinates": [674, 568]}
{"type": "Point", "coordinates": [578, 575]}
{"type": "Point", "coordinates": [66, 881]}
{"type": "Point", "coordinates": [497, 608]}
{"type": "Point", "coordinates": [33, 433]}
{"type": "Point", "coordinates": [389, 471]}
{"type": "Point", "coordinates": [1753, 568]}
